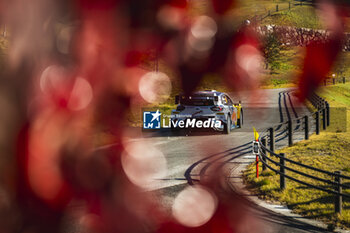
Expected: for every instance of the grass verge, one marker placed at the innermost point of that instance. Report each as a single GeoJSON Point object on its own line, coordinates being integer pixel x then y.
{"type": "Point", "coordinates": [300, 16]}
{"type": "Point", "coordinates": [328, 151]}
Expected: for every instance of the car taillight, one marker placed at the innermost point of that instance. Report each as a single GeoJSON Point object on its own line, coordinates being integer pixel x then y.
{"type": "Point", "coordinates": [180, 108]}
{"type": "Point", "coordinates": [216, 109]}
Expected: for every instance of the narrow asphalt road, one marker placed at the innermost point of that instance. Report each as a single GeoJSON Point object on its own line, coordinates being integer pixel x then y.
{"type": "Point", "coordinates": [194, 157]}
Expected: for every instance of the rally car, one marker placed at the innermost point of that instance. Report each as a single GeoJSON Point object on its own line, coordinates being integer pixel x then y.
{"type": "Point", "coordinates": [205, 109]}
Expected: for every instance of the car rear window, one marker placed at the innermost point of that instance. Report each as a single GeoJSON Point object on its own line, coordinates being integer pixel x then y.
{"type": "Point", "coordinates": [197, 102]}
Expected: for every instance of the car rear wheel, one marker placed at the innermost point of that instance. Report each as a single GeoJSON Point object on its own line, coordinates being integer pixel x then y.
{"type": "Point", "coordinates": [227, 126]}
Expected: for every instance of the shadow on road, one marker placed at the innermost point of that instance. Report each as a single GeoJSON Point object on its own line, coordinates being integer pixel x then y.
{"type": "Point", "coordinates": [275, 221]}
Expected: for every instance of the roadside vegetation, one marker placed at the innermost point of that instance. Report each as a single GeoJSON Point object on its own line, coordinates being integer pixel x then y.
{"type": "Point", "coordinates": [300, 16]}
{"type": "Point", "coordinates": [328, 151]}
{"type": "Point", "coordinates": [283, 63]}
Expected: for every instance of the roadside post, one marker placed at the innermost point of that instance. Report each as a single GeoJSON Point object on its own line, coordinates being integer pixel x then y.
{"type": "Point", "coordinates": [263, 151]}
{"type": "Point", "coordinates": [338, 198]}
{"type": "Point", "coordinates": [328, 112]}
{"type": "Point", "coordinates": [282, 177]}
{"type": "Point", "coordinates": [272, 139]}
{"type": "Point", "coordinates": [306, 118]}
{"type": "Point", "coordinates": [290, 133]}
{"type": "Point", "coordinates": [256, 151]}
{"type": "Point", "coordinates": [317, 122]}
{"type": "Point", "coordinates": [324, 119]}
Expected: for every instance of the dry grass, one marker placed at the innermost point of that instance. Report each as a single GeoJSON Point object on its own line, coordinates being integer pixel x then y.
{"type": "Point", "coordinates": [328, 151]}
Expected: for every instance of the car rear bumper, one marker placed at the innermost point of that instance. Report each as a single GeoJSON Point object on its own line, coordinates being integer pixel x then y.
{"type": "Point", "coordinates": [199, 122]}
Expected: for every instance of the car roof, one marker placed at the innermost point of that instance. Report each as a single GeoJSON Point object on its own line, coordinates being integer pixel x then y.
{"type": "Point", "coordinates": [207, 93]}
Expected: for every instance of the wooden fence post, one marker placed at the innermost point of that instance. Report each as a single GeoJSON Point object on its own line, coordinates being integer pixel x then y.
{"type": "Point", "coordinates": [306, 118]}
{"type": "Point", "coordinates": [282, 177]}
{"type": "Point", "coordinates": [272, 139]}
{"type": "Point", "coordinates": [338, 198]}
{"type": "Point", "coordinates": [263, 151]}
{"type": "Point", "coordinates": [317, 122]}
{"type": "Point", "coordinates": [290, 133]}
{"type": "Point", "coordinates": [324, 118]}
{"type": "Point", "coordinates": [328, 113]}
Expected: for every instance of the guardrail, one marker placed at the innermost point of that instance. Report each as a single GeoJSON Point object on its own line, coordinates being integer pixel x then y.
{"type": "Point", "coordinates": [334, 185]}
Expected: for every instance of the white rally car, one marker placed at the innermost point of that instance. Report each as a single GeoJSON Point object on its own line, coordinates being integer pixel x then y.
{"type": "Point", "coordinates": [207, 109]}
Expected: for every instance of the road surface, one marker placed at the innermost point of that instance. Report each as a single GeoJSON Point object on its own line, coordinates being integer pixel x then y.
{"type": "Point", "coordinates": [195, 157]}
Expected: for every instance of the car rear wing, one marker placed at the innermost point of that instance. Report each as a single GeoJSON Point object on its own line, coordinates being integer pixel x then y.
{"type": "Point", "coordinates": [198, 97]}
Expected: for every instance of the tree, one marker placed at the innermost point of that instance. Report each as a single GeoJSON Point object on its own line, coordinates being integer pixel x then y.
{"type": "Point", "coordinates": [271, 50]}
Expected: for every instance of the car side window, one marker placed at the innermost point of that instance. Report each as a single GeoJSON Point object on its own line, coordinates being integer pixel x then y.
{"type": "Point", "coordinates": [224, 99]}
{"type": "Point", "coordinates": [229, 100]}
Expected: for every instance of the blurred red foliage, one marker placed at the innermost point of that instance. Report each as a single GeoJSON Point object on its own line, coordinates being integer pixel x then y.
{"type": "Point", "coordinates": [57, 162]}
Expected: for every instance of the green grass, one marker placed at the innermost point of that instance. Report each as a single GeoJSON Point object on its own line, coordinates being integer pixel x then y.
{"type": "Point", "coordinates": [287, 67]}
{"type": "Point", "coordinates": [342, 65]}
{"type": "Point", "coordinates": [248, 9]}
{"type": "Point", "coordinates": [298, 16]}
{"type": "Point", "coordinates": [284, 69]}
{"type": "Point", "coordinates": [301, 16]}
{"type": "Point", "coordinates": [328, 151]}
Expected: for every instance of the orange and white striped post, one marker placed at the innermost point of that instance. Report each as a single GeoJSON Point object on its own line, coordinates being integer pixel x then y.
{"type": "Point", "coordinates": [256, 151]}
{"type": "Point", "coordinates": [257, 166]}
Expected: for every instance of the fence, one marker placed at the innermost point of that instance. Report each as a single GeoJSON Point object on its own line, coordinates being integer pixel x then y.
{"type": "Point", "coordinates": [333, 81]}
{"type": "Point", "coordinates": [334, 185]}
{"type": "Point", "coordinates": [282, 6]}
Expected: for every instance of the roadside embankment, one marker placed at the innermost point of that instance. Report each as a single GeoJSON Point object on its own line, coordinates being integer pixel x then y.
{"type": "Point", "coordinates": [328, 151]}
